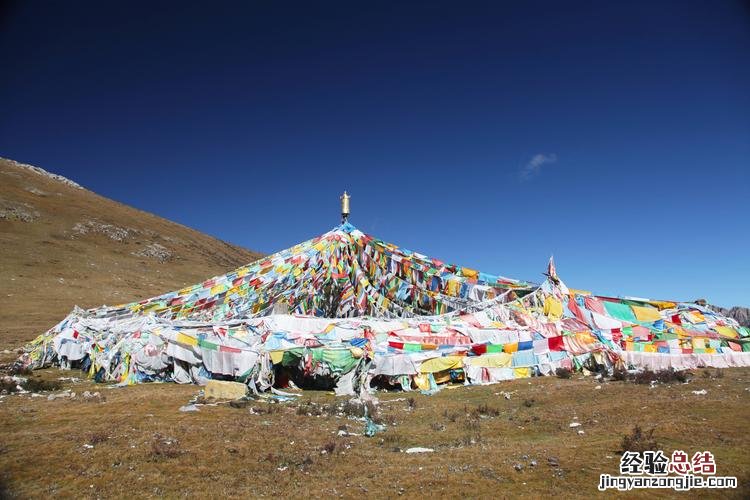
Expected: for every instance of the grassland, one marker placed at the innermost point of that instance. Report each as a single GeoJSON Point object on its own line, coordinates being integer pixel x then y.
{"type": "Point", "coordinates": [136, 442]}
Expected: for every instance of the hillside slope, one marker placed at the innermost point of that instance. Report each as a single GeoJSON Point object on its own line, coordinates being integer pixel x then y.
{"type": "Point", "coordinates": [62, 245]}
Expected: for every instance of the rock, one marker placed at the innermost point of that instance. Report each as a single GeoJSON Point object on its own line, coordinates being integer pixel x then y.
{"type": "Point", "coordinates": [419, 449]}
{"type": "Point", "coordinates": [36, 191]}
{"type": "Point", "coordinates": [220, 389]}
{"type": "Point", "coordinates": [533, 463]}
{"type": "Point", "coordinates": [581, 433]}
{"type": "Point", "coordinates": [575, 424]}
{"type": "Point", "coordinates": [702, 392]}
{"type": "Point", "coordinates": [598, 387]}
{"type": "Point", "coordinates": [17, 211]}
{"type": "Point", "coordinates": [112, 232]}
{"type": "Point", "coordinates": [154, 251]}
{"type": "Point", "coordinates": [188, 408]}
{"type": "Point", "coordinates": [740, 314]}
{"type": "Point", "coordinates": [553, 461]}
{"type": "Point", "coordinates": [41, 171]}
{"type": "Point", "coordinates": [518, 467]}
{"type": "Point", "coordinates": [239, 403]}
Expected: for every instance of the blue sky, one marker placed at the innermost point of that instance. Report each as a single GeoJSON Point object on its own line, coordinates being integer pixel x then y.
{"type": "Point", "coordinates": [614, 135]}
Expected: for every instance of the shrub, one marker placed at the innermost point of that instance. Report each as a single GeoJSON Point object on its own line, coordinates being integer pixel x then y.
{"type": "Point", "coordinates": [645, 377]}
{"type": "Point", "coordinates": [162, 447]}
{"type": "Point", "coordinates": [8, 385]}
{"type": "Point", "coordinates": [639, 441]}
{"type": "Point", "coordinates": [563, 373]}
{"type": "Point", "coordinates": [450, 416]}
{"type": "Point", "coordinates": [98, 437]}
{"type": "Point", "coordinates": [37, 385]}
{"type": "Point", "coordinates": [329, 447]}
{"type": "Point", "coordinates": [620, 374]}
{"type": "Point", "coordinates": [484, 410]}
{"type": "Point", "coordinates": [19, 369]}
{"type": "Point", "coordinates": [663, 376]}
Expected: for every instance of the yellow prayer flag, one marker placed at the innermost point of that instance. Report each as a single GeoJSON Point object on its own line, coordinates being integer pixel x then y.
{"type": "Point", "coordinates": [186, 339]}
{"type": "Point", "coordinates": [726, 331]}
{"type": "Point", "coordinates": [442, 363]}
{"type": "Point", "coordinates": [646, 314]}
{"type": "Point", "coordinates": [553, 308]}
{"type": "Point", "coordinates": [277, 356]}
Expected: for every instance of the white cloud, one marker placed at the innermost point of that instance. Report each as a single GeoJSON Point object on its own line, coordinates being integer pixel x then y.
{"type": "Point", "coordinates": [534, 166]}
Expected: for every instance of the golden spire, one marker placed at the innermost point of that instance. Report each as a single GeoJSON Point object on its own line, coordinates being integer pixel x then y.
{"type": "Point", "coordinates": [344, 207]}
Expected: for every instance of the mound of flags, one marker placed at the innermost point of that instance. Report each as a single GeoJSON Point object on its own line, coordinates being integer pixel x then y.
{"type": "Point", "coordinates": [362, 312]}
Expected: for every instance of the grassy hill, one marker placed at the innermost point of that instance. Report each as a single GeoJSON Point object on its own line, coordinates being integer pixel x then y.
{"type": "Point", "coordinates": [62, 245]}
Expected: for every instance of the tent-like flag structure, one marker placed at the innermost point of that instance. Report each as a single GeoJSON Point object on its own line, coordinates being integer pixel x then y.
{"type": "Point", "coordinates": [347, 310]}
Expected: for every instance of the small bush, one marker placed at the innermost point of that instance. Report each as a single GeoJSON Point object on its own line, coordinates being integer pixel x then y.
{"type": "Point", "coordinates": [645, 377]}
{"type": "Point", "coordinates": [412, 403]}
{"type": "Point", "coordinates": [329, 447]}
{"type": "Point", "coordinates": [8, 385]}
{"type": "Point", "coordinates": [373, 413]}
{"type": "Point", "coordinates": [353, 409]}
{"type": "Point", "coordinates": [450, 416]}
{"type": "Point", "coordinates": [528, 403]}
{"type": "Point", "coordinates": [470, 439]}
{"type": "Point", "coordinates": [672, 375]}
{"type": "Point", "coordinates": [98, 437]}
{"type": "Point", "coordinates": [663, 376]}
{"type": "Point", "coordinates": [483, 410]}
{"type": "Point", "coordinates": [306, 463]}
{"type": "Point", "coordinates": [472, 425]}
{"type": "Point", "coordinates": [639, 441]}
{"type": "Point", "coordinates": [563, 373]}
{"type": "Point", "coordinates": [620, 374]}
{"type": "Point", "coordinates": [162, 448]}
{"type": "Point", "coordinates": [20, 369]}
{"type": "Point", "coordinates": [304, 409]}
{"type": "Point", "coordinates": [37, 385]}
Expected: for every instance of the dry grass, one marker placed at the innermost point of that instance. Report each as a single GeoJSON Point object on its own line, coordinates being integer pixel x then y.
{"type": "Point", "coordinates": [143, 446]}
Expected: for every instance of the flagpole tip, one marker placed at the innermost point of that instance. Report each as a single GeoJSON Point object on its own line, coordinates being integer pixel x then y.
{"type": "Point", "coordinates": [345, 209]}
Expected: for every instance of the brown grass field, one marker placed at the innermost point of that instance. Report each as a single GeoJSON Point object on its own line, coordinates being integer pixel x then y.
{"type": "Point", "coordinates": [143, 446]}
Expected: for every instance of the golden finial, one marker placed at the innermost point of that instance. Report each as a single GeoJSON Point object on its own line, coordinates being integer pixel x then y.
{"type": "Point", "coordinates": [344, 207]}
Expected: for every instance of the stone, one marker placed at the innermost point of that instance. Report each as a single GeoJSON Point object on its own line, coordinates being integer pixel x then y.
{"type": "Point", "coordinates": [221, 389]}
